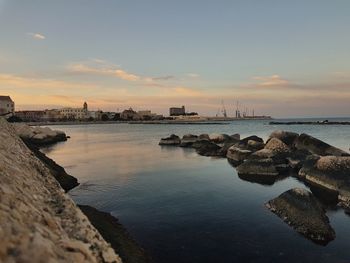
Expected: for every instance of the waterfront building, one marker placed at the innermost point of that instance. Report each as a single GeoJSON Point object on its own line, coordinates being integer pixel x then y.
{"type": "Point", "coordinates": [7, 106]}
{"type": "Point", "coordinates": [130, 114]}
{"type": "Point", "coordinates": [30, 115]}
{"type": "Point", "coordinates": [173, 111]}
{"type": "Point", "coordinates": [75, 113]}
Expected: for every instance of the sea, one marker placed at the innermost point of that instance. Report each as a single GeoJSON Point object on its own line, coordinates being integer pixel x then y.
{"type": "Point", "coordinates": [183, 207]}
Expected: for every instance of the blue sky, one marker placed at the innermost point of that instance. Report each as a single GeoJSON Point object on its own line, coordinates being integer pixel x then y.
{"type": "Point", "coordinates": [284, 58]}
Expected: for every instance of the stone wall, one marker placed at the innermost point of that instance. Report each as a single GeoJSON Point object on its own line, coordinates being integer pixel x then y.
{"type": "Point", "coordinates": [38, 221]}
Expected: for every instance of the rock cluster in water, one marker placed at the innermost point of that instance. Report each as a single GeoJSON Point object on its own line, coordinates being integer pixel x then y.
{"type": "Point", "coordinates": [320, 165]}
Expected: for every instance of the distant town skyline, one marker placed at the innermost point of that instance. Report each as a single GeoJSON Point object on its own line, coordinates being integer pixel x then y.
{"type": "Point", "coordinates": [280, 58]}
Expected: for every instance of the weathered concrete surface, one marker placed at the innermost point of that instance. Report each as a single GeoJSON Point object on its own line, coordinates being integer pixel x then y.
{"type": "Point", "coordinates": [331, 172]}
{"type": "Point", "coordinates": [38, 221]}
{"type": "Point", "coordinates": [301, 210]}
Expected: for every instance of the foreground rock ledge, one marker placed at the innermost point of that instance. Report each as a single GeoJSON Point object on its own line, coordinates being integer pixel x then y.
{"type": "Point", "coordinates": [301, 210]}
{"type": "Point", "coordinates": [38, 221]}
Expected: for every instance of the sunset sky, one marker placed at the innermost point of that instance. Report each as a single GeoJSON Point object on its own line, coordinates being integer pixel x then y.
{"type": "Point", "coordinates": [282, 58]}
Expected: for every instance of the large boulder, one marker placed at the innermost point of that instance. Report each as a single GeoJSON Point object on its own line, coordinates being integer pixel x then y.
{"type": "Point", "coordinates": [301, 210]}
{"type": "Point", "coordinates": [285, 136]}
{"type": "Point", "coordinates": [220, 138]}
{"type": "Point", "coordinates": [171, 140]}
{"type": "Point", "coordinates": [39, 136]}
{"type": "Point", "coordinates": [188, 139]}
{"type": "Point", "coordinates": [251, 138]}
{"type": "Point", "coordinates": [263, 167]}
{"type": "Point", "coordinates": [331, 172]}
{"type": "Point", "coordinates": [204, 137]}
{"type": "Point", "coordinates": [236, 136]}
{"type": "Point", "coordinates": [316, 146]}
{"type": "Point", "coordinates": [207, 148]}
{"type": "Point", "coordinates": [277, 146]}
{"type": "Point", "coordinates": [237, 155]}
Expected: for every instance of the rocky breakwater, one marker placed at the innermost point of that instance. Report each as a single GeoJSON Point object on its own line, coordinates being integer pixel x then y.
{"type": "Point", "coordinates": [39, 136]}
{"type": "Point", "coordinates": [38, 221]}
{"type": "Point", "coordinates": [323, 168]}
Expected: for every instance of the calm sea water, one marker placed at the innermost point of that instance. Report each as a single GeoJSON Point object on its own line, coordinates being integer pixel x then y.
{"type": "Point", "coordinates": [183, 207]}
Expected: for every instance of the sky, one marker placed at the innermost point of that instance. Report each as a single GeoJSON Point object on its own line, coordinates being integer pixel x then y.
{"type": "Point", "coordinates": [278, 57]}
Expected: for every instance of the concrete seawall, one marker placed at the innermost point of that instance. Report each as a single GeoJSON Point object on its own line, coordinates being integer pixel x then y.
{"type": "Point", "coordinates": [38, 221]}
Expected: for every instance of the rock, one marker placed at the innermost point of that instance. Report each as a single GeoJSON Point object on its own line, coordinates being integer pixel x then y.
{"type": "Point", "coordinates": [204, 137]}
{"type": "Point", "coordinates": [287, 137]}
{"type": "Point", "coordinates": [331, 172]}
{"type": "Point", "coordinates": [38, 221]}
{"type": "Point", "coordinates": [66, 181]}
{"type": "Point", "coordinates": [171, 140]}
{"type": "Point", "coordinates": [220, 138]}
{"type": "Point", "coordinates": [263, 167]}
{"type": "Point", "coordinates": [188, 139]}
{"type": "Point", "coordinates": [255, 145]}
{"type": "Point", "coordinates": [115, 234]}
{"type": "Point", "coordinates": [237, 155]}
{"type": "Point", "coordinates": [207, 148]}
{"type": "Point", "coordinates": [301, 210]}
{"type": "Point", "coordinates": [236, 136]}
{"type": "Point", "coordinates": [316, 146]}
{"type": "Point", "coordinates": [225, 147]}
{"type": "Point", "coordinates": [39, 136]}
{"type": "Point", "coordinates": [251, 138]}
{"type": "Point", "coordinates": [277, 146]}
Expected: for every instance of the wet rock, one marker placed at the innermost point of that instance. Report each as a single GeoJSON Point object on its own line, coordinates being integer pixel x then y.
{"type": "Point", "coordinates": [237, 155]}
{"type": "Point", "coordinates": [171, 140]}
{"type": "Point", "coordinates": [331, 172]}
{"type": "Point", "coordinates": [262, 167]}
{"type": "Point", "coordinates": [207, 148]}
{"type": "Point", "coordinates": [225, 147]}
{"type": "Point", "coordinates": [316, 146]}
{"type": "Point", "coordinates": [188, 139]}
{"type": "Point", "coordinates": [286, 137]}
{"type": "Point", "coordinates": [301, 210]}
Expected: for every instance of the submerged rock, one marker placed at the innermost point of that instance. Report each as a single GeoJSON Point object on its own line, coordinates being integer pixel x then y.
{"type": "Point", "coordinates": [286, 137]}
{"type": "Point", "coordinates": [331, 172]}
{"type": "Point", "coordinates": [301, 210]}
{"type": "Point", "coordinates": [316, 146]}
{"type": "Point", "coordinates": [171, 140]}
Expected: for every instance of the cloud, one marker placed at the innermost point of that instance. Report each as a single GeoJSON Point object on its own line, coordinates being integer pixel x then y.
{"type": "Point", "coordinates": [271, 81]}
{"type": "Point", "coordinates": [102, 67]}
{"type": "Point", "coordinates": [192, 75]}
{"type": "Point", "coordinates": [37, 36]}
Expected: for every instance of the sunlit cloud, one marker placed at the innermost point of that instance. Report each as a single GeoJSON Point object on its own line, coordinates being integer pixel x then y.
{"type": "Point", "coordinates": [271, 81]}
{"type": "Point", "coordinates": [37, 36]}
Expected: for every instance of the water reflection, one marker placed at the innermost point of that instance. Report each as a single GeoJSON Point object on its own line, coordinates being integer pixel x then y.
{"type": "Point", "coordinates": [184, 207]}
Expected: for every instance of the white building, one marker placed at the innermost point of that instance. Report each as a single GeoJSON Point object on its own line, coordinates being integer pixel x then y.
{"type": "Point", "coordinates": [75, 113]}
{"type": "Point", "coordinates": [7, 106]}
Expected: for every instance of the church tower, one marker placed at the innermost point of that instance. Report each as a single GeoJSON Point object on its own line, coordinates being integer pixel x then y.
{"type": "Point", "coordinates": [85, 107]}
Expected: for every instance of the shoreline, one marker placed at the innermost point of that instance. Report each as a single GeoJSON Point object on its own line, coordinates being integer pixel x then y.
{"type": "Point", "coordinates": [310, 123]}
